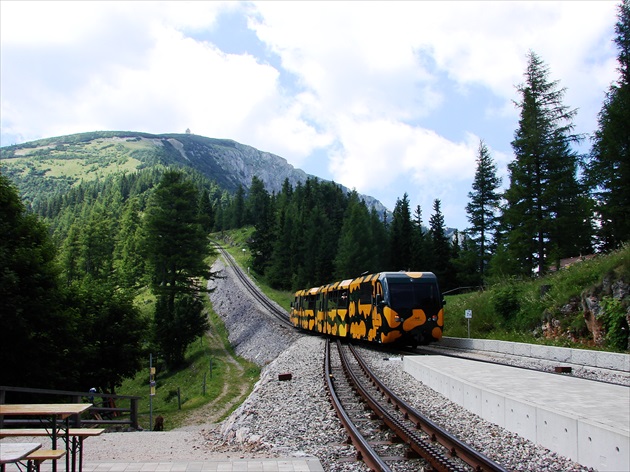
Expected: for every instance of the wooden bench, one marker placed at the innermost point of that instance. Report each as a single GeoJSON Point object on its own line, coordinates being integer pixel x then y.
{"type": "Point", "coordinates": [37, 457]}
{"type": "Point", "coordinates": [77, 436]}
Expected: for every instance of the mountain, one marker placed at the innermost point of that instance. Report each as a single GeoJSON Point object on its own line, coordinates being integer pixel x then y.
{"type": "Point", "coordinates": [57, 163]}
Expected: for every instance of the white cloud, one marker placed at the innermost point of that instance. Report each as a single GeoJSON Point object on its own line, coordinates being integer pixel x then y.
{"type": "Point", "coordinates": [366, 72]}
{"type": "Point", "coordinates": [374, 154]}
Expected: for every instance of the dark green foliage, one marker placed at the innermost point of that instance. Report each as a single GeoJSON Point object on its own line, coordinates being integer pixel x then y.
{"type": "Point", "coordinates": [178, 325]}
{"type": "Point", "coordinates": [111, 335]}
{"type": "Point", "coordinates": [615, 323]}
{"type": "Point", "coordinates": [608, 170]}
{"type": "Point", "coordinates": [301, 235]}
{"type": "Point", "coordinates": [546, 215]}
{"type": "Point", "coordinates": [506, 302]}
{"type": "Point", "coordinates": [87, 334]}
{"type": "Point", "coordinates": [206, 211]}
{"type": "Point", "coordinates": [176, 247]}
{"type": "Point", "coordinates": [401, 235]}
{"type": "Point", "coordinates": [175, 243]}
{"type": "Point", "coordinates": [357, 251]}
{"type": "Point", "coordinates": [442, 250]}
{"type": "Point", "coordinates": [483, 208]}
{"type": "Point", "coordinates": [129, 267]}
{"type": "Point", "coordinates": [421, 250]}
{"type": "Point", "coordinates": [35, 328]}
{"type": "Point", "coordinates": [237, 217]}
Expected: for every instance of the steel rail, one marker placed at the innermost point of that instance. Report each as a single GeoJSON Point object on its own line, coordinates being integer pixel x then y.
{"type": "Point", "coordinates": [457, 448]}
{"type": "Point", "coordinates": [365, 452]}
{"type": "Point", "coordinates": [281, 315]}
{"type": "Point", "coordinates": [425, 449]}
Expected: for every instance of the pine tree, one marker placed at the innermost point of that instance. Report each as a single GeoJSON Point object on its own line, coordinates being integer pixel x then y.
{"type": "Point", "coordinates": [401, 235]}
{"type": "Point", "coordinates": [545, 215]}
{"type": "Point", "coordinates": [380, 242]}
{"type": "Point", "coordinates": [441, 248]}
{"type": "Point", "coordinates": [206, 211]}
{"type": "Point", "coordinates": [280, 262]}
{"type": "Point", "coordinates": [356, 248]}
{"type": "Point", "coordinates": [128, 261]}
{"type": "Point", "coordinates": [609, 167]}
{"type": "Point", "coordinates": [37, 333]}
{"type": "Point", "coordinates": [260, 211]}
{"type": "Point", "coordinates": [422, 255]}
{"type": "Point", "coordinates": [176, 247]}
{"type": "Point", "coordinates": [483, 207]}
{"type": "Point", "coordinates": [257, 203]}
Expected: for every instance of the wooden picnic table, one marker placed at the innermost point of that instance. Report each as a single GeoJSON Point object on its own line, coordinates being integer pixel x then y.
{"type": "Point", "coordinates": [54, 416]}
{"type": "Point", "coordinates": [78, 435]}
{"type": "Point", "coordinates": [15, 452]}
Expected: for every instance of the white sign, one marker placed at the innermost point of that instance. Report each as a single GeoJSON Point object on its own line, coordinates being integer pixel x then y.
{"type": "Point", "coordinates": [468, 313]}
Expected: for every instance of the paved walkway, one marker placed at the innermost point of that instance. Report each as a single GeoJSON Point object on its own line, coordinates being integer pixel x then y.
{"type": "Point", "coordinates": [219, 465]}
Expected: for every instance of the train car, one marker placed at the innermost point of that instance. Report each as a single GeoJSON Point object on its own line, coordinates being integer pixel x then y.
{"type": "Point", "coordinates": [404, 308]}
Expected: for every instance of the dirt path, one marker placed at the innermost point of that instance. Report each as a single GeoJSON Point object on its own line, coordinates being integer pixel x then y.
{"type": "Point", "coordinates": [215, 410]}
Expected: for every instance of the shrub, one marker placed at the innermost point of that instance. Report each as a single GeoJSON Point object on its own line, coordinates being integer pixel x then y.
{"type": "Point", "coordinates": [506, 302]}
{"type": "Point", "coordinates": [615, 323]}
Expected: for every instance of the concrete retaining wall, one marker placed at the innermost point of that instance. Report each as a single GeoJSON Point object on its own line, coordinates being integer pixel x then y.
{"type": "Point", "coordinates": [605, 360]}
{"type": "Point", "coordinates": [591, 443]}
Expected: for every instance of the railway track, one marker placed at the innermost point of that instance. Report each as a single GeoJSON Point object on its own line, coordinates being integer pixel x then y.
{"type": "Point", "coordinates": [281, 315]}
{"type": "Point", "coordinates": [393, 431]}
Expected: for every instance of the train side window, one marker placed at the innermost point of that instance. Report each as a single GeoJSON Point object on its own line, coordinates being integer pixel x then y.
{"type": "Point", "coordinates": [343, 299]}
{"type": "Point", "coordinates": [320, 301]}
{"type": "Point", "coordinates": [333, 299]}
{"type": "Point", "coordinates": [365, 293]}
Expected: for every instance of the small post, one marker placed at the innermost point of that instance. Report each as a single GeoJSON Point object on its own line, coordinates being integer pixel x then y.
{"type": "Point", "coordinates": [152, 390]}
{"type": "Point", "coordinates": [134, 414]}
{"type": "Point", "coordinates": [468, 315]}
{"type": "Point", "coordinates": [179, 399]}
{"type": "Point", "coordinates": [204, 383]}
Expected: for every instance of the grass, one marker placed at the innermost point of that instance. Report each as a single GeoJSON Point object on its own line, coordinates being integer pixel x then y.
{"type": "Point", "coordinates": [208, 376]}
{"type": "Point", "coordinates": [515, 310]}
{"type": "Point", "coordinates": [76, 161]}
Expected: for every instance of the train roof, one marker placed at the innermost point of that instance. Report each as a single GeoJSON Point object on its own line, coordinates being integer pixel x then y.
{"type": "Point", "coordinates": [407, 275]}
{"type": "Point", "coordinates": [390, 276]}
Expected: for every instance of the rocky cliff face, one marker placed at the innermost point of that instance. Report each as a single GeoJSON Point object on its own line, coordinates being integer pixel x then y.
{"type": "Point", "coordinates": [233, 164]}
{"type": "Point", "coordinates": [607, 300]}
{"type": "Point", "coordinates": [605, 309]}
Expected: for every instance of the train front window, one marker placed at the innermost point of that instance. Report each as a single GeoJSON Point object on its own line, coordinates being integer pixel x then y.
{"type": "Point", "coordinates": [413, 295]}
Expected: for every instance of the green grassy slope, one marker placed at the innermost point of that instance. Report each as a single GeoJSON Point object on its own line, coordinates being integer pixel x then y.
{"type": "Point", "coordinates": [544, 310]}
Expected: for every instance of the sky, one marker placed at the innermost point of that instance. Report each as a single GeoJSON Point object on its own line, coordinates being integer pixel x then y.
{"type": "Point", "coordinates": [383, 97]}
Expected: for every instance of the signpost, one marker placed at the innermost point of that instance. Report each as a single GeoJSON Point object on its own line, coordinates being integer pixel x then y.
{"type": "Point", "coordinates": [152, 390]}
{"type": "Point", "coordinates": [468, 314]}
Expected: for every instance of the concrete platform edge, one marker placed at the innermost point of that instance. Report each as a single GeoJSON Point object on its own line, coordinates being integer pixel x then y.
{"type": "Point", "coordinates": [588, 442]}
{"type": "Point", "coordinates": [601, 359]}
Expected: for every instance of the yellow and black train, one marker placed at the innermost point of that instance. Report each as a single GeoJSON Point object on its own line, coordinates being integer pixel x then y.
{"type": "Point", "coordinates": [404, 308]}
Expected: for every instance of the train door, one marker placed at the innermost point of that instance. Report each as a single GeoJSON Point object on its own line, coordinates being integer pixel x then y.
{"type": "Point", "coordinates": [343, 309]}
{"type": "Point", "coordinates": [377, 312]}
